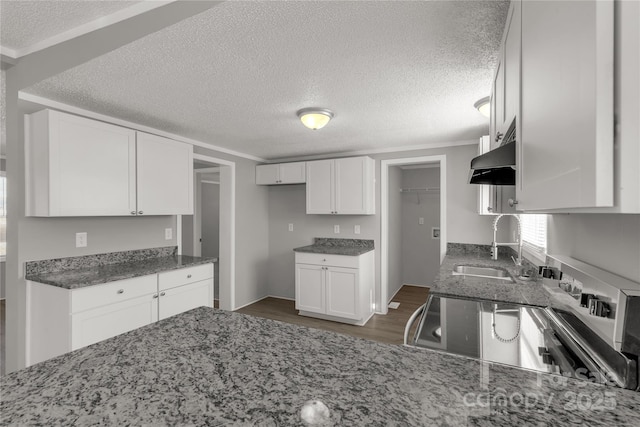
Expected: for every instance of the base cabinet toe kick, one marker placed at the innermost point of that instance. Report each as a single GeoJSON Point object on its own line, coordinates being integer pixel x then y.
{"type": "Point", "coordinates": [61, 320]}
{"type": "Point", "coordinates": [335, 287]}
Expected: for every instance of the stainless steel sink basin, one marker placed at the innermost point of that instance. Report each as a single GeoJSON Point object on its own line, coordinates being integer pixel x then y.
{"type": "Point", "coordinates": [488, 272]}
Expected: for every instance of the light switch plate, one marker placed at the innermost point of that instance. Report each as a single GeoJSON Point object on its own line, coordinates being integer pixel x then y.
{"type": "Point", "coordinates": [168, 233]}
{"type": "Point", "coordinates": [290, 227]}
{"type": "Point", "coordinates": [421, 221]}
{"type": "Point", "coordinates": [336, 229]}
{"type": "Point", "coordinates": [81, 240]}
{"type": "Point", "coordinates": [356, 229]}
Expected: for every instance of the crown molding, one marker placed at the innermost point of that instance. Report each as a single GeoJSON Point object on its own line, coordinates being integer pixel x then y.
{"type": "Point", "coordinates": [376, 151]}
{"type": "Point", "coordinates": [96, 24]}
{"type": "Point", "coordinates": [46, 102]}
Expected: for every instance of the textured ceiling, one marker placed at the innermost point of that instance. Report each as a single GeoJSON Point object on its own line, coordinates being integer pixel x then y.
{"type": "Point", "coordinates": [394, 73]}
{"type": "Point", "coordinates": [24, 23]}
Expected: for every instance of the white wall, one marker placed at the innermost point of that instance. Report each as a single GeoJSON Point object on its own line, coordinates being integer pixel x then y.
{"type": "Point", "coordinates": [608, 241]}
{"type": "Point", "coordinates": [210, 227]}
{"type": "Point", "coordinates": [420, 253]}
{"type": "Point", "coordinates": [395, 232]}
{"type": "Point", "coordinates": [252, 230]}
{"type": "Point", "coordinates": [287, 205]}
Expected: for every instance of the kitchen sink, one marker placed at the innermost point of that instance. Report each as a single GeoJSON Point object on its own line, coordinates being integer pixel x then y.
{"type": "Point", "coordinates": [488, 272]}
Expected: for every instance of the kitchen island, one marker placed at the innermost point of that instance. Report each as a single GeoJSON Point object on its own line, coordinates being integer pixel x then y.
{"type": "Point", "coordinates": [208, 366]}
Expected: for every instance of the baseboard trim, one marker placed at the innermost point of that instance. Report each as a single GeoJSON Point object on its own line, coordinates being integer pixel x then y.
{"type": "Point", "coordinates": [252, 302]}
{"type": "Point", "coordinates": [277, 297]}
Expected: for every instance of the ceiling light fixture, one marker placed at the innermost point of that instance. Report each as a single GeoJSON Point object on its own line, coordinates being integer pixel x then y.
{"type": "Point", "coordinates": [484, 106]}
{"type": "Point", "coordinates": [315, 118]}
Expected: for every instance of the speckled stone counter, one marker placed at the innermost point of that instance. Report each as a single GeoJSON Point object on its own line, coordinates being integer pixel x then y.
{"type": "Point", "coordinates": [531, 292]}
{"type": "Point", "coordinates": [211, 367]}
{"type": "Point", "coordinates": [349, 247]}
{"type": "Point", "coordinates": [79, 272]}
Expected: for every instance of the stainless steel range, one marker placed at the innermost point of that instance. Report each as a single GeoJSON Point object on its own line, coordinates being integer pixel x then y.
{"type": "Point", "coordinates": [594, 341]}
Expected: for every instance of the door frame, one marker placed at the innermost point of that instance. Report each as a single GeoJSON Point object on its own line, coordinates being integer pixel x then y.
{"type": "Point", "coordinates": [384, 216]}
{"type": "Point", "coordinates": [227, 253]}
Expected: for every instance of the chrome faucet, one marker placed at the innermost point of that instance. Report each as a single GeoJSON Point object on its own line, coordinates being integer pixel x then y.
{"type": "Point", "coordinates": [495, 244]}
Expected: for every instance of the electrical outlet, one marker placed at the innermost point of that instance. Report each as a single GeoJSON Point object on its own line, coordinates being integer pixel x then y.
{"type": "Point", "coordinates": [81, 240]}
{"type": "Point", "coordinates": [356, 229]}
{"type": "Point", "coordinates": [336, 229]}
{"type": "Point", "coordinates": [290, 227]}
{"type": "Point", "coordinates": [168, 233]}
{"type": "Point", "coordinates": [420, 221]}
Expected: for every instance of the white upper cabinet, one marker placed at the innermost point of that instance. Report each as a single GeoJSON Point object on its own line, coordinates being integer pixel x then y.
{"type": "Point", "coordinates": [78, 167]}
{"type": "Point", "coordinates": [283, 173]}
{"type": "Point", "coordinates": [505, 93]}
{"type": "Point", "coordinates": [341, 186]}
{"type": "Point", "coordinates": [82, 167]}
{"type": "Point", "coordinates": [566, 131]}
{"type": "Point", "coordinates": [164, 176]}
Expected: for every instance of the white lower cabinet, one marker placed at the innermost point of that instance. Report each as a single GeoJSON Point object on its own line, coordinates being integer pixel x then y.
{"type": "Point", "coordinates": [92, 326]}
{"type": "Point", "coordinates": [62, 320]}
{"type": "Point", "coordinates": [335, 287]}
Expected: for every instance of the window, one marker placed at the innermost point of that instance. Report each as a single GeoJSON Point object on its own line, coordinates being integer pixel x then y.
{"type": "Point", "coordinates": [534, 234]}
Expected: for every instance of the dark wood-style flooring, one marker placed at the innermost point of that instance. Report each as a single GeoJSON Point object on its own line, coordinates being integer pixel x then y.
{"type": "Point", "coordinates": [387, 328]}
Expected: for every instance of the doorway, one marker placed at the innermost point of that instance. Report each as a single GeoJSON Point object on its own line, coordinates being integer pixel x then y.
{"type": "Point", "coordinates": [210, 232]}
{"type": "Point", "coordinates": [407, 185]}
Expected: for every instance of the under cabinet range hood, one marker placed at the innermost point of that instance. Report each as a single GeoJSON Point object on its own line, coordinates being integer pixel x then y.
{"type": "Point", "coordinates": [497, 167]}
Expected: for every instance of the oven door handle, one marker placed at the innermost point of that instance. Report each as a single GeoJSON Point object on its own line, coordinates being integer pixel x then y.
{"type": "Point", "coordinates": [411, 321]}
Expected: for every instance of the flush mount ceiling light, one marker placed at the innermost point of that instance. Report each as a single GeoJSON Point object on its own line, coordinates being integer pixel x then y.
{"type": "Point", "coordinates": [484, 106]}
{"type": "Point", "coordinates": [315, 118]}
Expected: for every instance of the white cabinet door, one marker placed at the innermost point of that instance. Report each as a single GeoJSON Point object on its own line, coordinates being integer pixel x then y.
{"type": "Point", "coordinates": [320, 187]}
{"type": "Point", "coordinates": [89, 327]}
{"type": "Point", "coordinates": [511, 67]}
{"type": "Point", "coordinates": [342, 288]}
{"type": "Point", "coordinates": [164, 176]}
{"type": "Point", "coordinates": [352, 186]}
{"type": "Point", "coordinates": [310, 288]}
{"type": "Point", "coordinates": [565, 152]}
{"type": "Point", "coordinates": [183, 298]}
{"type": "Point", "coordinates": [78, 167]}
{"type": "Point", "coordinates": [267, 174]}
{"type": "Point", "coordinates": [281, 173]}
{"type": "Point", "coordinates": [292, 173]}
{"type": "Point", "coordinates": [498, 106]}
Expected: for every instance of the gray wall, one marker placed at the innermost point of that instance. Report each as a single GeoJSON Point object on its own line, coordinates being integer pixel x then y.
{"type": "Point", "coordinates": [252, 231]}
{"type": "Point", "coordinates": [608, 241]}
{"type": "Point", "coordinates": [210, 219]}
{"type": "Point", "coordinates": [287, 205]}
{"type": "Point", "coordinates": [420, 253]}
{"type": "Point", "coordinates": [395, 231]}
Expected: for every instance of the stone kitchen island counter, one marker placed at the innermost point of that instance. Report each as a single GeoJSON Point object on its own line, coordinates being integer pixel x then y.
{"type": "Point", "coordinates": [211, 367]}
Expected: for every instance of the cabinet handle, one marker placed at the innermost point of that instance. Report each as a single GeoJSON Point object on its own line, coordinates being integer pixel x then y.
{"type": "Point", "coordinates": [512, 202]}
{"type": "Point", "coordinates": [140, 212]}
{"type": "Point", "coordinates": [324, 260]}
{"type": "Point", "coordinates": [188, 276]}
{"type": "Point", "coordinates": [155, 295]}
{"type": "Point", "coordinates": [121, 291]}
{"type": "Point", "coordinates": [133, 212]}
{"type": "Point", "coordinates": [162, 294]}
{"type": "Point", "coordinates": [489, 208]}
{"type": "Point", "coordinates": [499, 136]}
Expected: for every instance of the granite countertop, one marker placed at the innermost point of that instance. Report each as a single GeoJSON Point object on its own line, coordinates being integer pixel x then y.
{"type": "Point", "coordinates": [329, 246]}
{"type": "Point", "coordinates": [74, 278]}
{"type": "Point", "coordinates": [211, 367]}
{"type": "Point", "coordinates": [529, 292]}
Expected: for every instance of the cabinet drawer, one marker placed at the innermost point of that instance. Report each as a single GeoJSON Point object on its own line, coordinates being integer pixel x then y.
{"type": "Point", "coordinates": [183, 276]}
{"type": "Point", "coordinates": [325, 259]}
{"type": "Point", "coordinates": [109, 293]}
